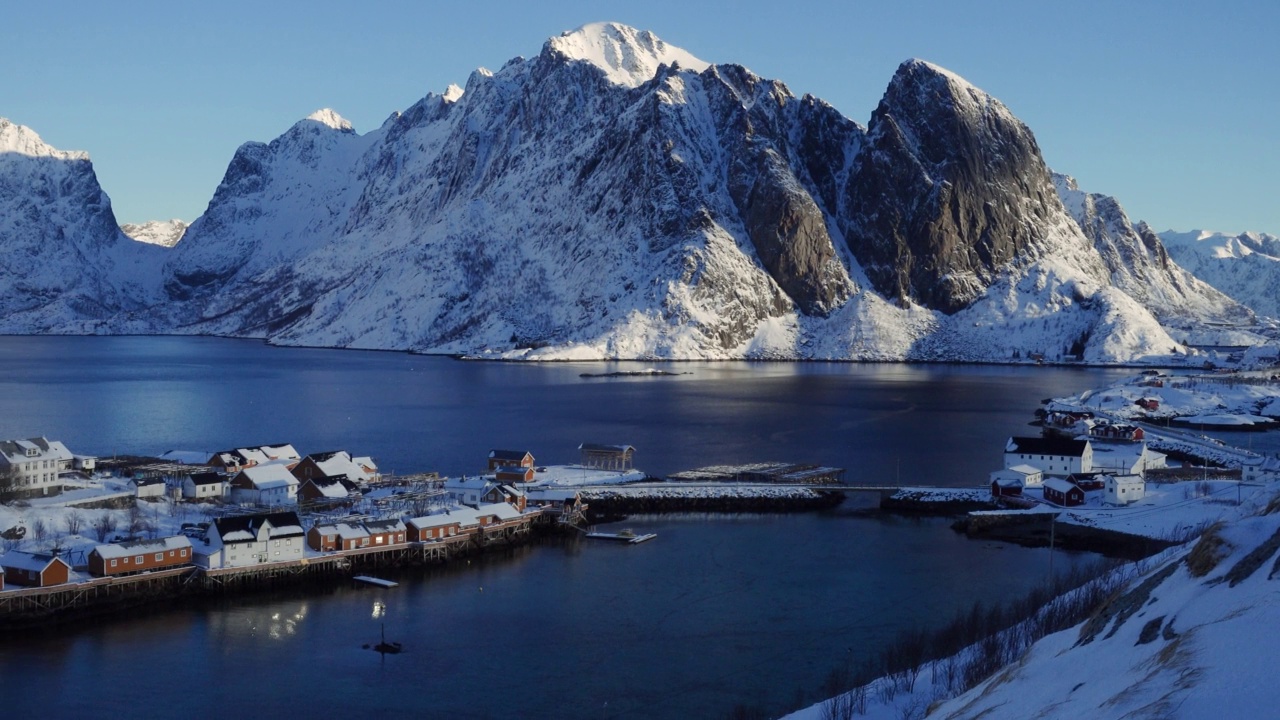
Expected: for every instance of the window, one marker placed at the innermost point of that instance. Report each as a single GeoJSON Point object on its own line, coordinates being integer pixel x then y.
{"type": "Point", "coordinates": [379, 540]}
{"type": "Point", "coordinates": [159, 557]}
{"type": "Point", "coordinates": [113, 563]}
{"type": "Point", "coordinates": [138, 560]}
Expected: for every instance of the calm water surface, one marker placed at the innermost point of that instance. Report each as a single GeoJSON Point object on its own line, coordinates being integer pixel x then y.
{"type": "Point", "coordinates": [719, 611]}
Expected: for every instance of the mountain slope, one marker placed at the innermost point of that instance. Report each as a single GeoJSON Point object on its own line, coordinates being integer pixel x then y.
{"type": "Point", "coordinates": [1244, 266]}
{"type": "Point", "coordinates": [617, 197]}
{"type": "Point", "coordinates": [165, 233]}
{"type": "Point", "coordinates": [68, 267]}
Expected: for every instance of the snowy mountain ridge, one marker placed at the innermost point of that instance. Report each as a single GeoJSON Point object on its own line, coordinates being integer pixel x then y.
{"type": "Point", "coordinates": [1245, 266]}
{"type": "Point", "coordinates": [616, 197]}
{"type": "Point", "coordinates": [165, 233]}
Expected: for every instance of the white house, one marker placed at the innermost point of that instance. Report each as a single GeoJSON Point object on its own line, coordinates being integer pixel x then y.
{"type": "Point", "coordinates": [1127, 458]}
{"type": "Point", "coordinates": [203, 487]}
{"type": "Point", "coordinates": [1051, 454]}
{"type": "Point", "coordinates": [251, 540]}
{"type": "Point", "coordinates": [1030, 476]}
{"type": "Point", "coordinates": [1123, 489]}
{"type": "Point", "coordinates": [148, 487]}
{"type": "Point", "coordinates": [1261, 469]}
{"type": "Point", "coordinates": [469, 491]}
{"type": "Point", "coordinates": [34, 464]}
{"type": "Point", "coordinates": [266, 485]}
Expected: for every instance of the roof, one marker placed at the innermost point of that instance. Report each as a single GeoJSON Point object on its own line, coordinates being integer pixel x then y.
{"type": "Point", "coordinates": [208, 478]}
{"type": "Point", "coordinates": [1060, 485]}
{"type": "Point", "coordinates": [271, 475]}
{"type": "Point", "coordinates": [1026, 470]}
{"type": "Point", "coordinates": [1128, 479]}
{"type": "Point", "coordinates": [346, 531]}
{"type": "Point", "coordinates": [381, 526]}
{"type": "Point", "coordinates": [142, 547]}
{"type": "Point", "coordinates": [33, 562]}
{"type": "Point", "coordinates": [333, 486]}
{"type": "Point", "coordinates": [240, 528]}
{"type": "Point", "coordinates": [340, 462]}
{"type": "Point", "coordinates": [593, 447]}
{"type": "Point", "coordinates": [16, 450]}
{"type": "Point", "coordinates": [259, 454]}
{"type": "Point", "coordinates": [1047, 445]}
{"type": "Point", "coordinates": [147, 481]}
{"type": "Point", "coordinates": [509, 454]}
{"type": "Point", "coordinates": [438, 520]}
{"type": "Point", "coordinates": [504, 511]}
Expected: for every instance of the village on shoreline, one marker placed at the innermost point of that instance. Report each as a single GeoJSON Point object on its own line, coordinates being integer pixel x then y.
{"type": "Point", "coordinates": [125, 530]}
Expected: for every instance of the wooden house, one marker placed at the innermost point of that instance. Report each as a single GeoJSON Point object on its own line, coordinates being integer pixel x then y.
{"type": "Point", "coordinates": [265, 485]}
{"type": "Point", "coordinates": [513, 474]}
{"type": "Point", "coordinates": [606, 457]}
{"type": "Point", "coordinates": [137, 556]}
{"type": "Point", "coordinates": [35, 465]}
{"type": "Point", "coordinates": [385, 533]}
{"type": "Point", "coordinates": [333, 488]}
{"type": "Point", "coordinates": [34, 569]}
{"type": "Point", "coordinates": [1117, 431]}
{"type": "Point", "coordinates": [434, 527]}
{"type": "Point", "coordinates": [148, 487]}
{"type": "Point", "coordinates": [510, 458]}
{"type": "Point", "coordinates": [1123, 489]}
{"type": "Point", "coordinates": [240, 458]}
{"type": "Point", "coordinates": [1051, 454]}
{"type": "Point", "coordinates": [1060, 492]}
{"type": "Point", "coordinates": [203, 487]}
{"type": "Point", "coordinates": [1263, 468]}
{"type": "Point", "coordinates": [1006, 486]}
{"type": "Point", "coordinates": [337, 536]}
{"type": "Point", "coordinates": [477, 491]}
{"type": "Point", "coordinates": [243, 540]}
{"type": "Point", "coordinates": [335, 463]}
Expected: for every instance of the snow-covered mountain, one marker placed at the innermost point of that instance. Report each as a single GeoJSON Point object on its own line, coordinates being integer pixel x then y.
{"type": "Point", "coordinates": [618, 197]}
{"type": "Point", "coordinates": [1244, 266]}
{"type": "Point", "coordinates": [165, 233]}
{"type": "Point", "coordinates": [68, 267]}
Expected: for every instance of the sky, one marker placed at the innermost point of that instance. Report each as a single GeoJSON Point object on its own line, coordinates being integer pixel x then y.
{"type": "Point", "coordinates": [1170, 107]}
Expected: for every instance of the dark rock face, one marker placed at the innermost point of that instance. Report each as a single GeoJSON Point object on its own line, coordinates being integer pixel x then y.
{"type": "Point", "coordinates": [949, 188]}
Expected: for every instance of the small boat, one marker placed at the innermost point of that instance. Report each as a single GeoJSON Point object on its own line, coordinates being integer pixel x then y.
{"type": "Point", "coordinates": [627, 536]}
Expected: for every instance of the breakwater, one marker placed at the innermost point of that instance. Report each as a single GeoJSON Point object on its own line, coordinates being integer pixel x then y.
{"type": "Point", "coordinates": [623, 501]}
{"type": "Point", "coordinates": [1040, 530]}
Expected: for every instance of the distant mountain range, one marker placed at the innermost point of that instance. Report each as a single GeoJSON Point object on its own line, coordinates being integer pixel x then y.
{"type": "Point", "coordinates": [616, 197]}
{"type": "Point", "coordinates": [1245, 266]}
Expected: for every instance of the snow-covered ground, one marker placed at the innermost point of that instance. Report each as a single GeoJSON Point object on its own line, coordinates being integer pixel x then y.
{"type": "Point", "coordinates": [1244, 394]}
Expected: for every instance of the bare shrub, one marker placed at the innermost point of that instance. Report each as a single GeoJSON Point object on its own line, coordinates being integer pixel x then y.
{"type": "Point", "coordinates": [104, 526]}
{"type": "Point", "coordinates": [74, 521]}
{"type": "Point", "coordinates": [1208, 552]}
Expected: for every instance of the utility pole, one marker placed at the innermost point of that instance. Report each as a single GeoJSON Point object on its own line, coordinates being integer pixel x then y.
{"type": "Point", "coordinates": [1053, 524]}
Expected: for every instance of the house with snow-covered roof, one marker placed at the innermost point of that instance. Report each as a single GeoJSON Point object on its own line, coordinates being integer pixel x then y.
{"type": "Point", "coordinates": [127, 558]}
{"type": "Point", "coordinates": [335, 489]}
{"type": "Point", "coordinates": [478, 490]}
{"type": "Point", "coordinates": [239, 458]}
{"type": "Point", "coordinates": [510, 458]}
{"type": "Point", "coordinates": [327, 537]}
{"type": "Point", "coordinates": [1265, 468]}
{"type": "Point", "coordinates": [243, 540]}
{"type": "Point", "coordinates": [1126, 458]}
{"type": "Point", "coordinates": [34, 569]}
{"type": "Point", "coordinates": [335, 463]}
{"type": "Point", "coordinates": [439, 526]}
{"type": "Point", "coordinates": [265, 485]}
{"type": "Point", "coordinates": [203, 487]}
{"type": "Point", "coordinates": [1123, 489]}
{"type": "Point", "coordinates": [1062, 493]}
{"type": "Point", "coordinates": [35, 464]}
{"type": "Point", "coordinates": [148, 487]}
{"type": "Point", "coordinates": [1029, 476]}
{"type": "Point", "coordinates": [1051, 454]}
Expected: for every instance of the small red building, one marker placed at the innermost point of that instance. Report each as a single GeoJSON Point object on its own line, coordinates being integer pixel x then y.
{"type": "Point", "coordinates": [510, 458]}
{"type": "Point", "coordinates": [383, 533]}
{"type": "Point", "coordinates": [514, 474]}
{"type": "Point", "coordinates": [137, 556]}
{"type": "Point", "coordinates": [1062, 493]}
{"type": "Point", "coordinates": [337, 536]}
{"type": "Point", "coordinates": [433, 527]}
{"type": "Point", "coordinates": [1010, 487]}
{"type": "Point", "coordinates": [34, 569]}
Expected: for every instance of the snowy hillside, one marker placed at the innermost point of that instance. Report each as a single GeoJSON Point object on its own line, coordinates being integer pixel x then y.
{"type": "Point", "coordinates": [1245, 266]}
{"type": "Point", "coordinates": [68, 267]}
{"type": "Point", "coordinates": [165, 233]}
{"type": "Point", "coordinates": [617, 197]}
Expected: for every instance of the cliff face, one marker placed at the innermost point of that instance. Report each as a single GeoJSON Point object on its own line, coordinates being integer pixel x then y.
{"type": "Point", "coordinates": [949, 189]}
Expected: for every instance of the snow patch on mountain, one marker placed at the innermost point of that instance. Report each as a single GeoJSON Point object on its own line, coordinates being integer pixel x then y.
{"type": "Point", "coordinates": [627, 56]}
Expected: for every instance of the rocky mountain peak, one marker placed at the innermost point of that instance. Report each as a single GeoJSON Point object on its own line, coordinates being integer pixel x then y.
{"type": "Point", "coordinates": [22, 140]}
{"type": "Point", "coordinates": [627, 56]}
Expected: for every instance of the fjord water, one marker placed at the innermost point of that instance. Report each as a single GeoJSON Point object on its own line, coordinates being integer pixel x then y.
{"type": "Point", "coordinates": [718, 612]}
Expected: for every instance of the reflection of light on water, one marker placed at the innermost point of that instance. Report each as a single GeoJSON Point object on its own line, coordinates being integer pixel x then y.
{"type": "Point", "coordinates": [282, 625]}
{"type": "Point", "coordinates": [379, 609]}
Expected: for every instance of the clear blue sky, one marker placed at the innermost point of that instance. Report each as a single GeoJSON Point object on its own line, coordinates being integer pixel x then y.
{"type": "Point", "coordinates": [1169, 106]}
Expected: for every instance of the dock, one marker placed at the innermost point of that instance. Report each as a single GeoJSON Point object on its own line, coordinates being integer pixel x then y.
{"type": "Point", "coordinates": [375, 581]}
{"type": "Point", "coordinates": [625, 536]}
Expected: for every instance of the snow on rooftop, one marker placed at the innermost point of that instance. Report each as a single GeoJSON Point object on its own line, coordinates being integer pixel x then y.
{"type": "Point", "coordinates": [627, 56]}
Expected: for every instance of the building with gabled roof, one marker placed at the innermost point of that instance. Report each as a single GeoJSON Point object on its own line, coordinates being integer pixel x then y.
{"type": "Point", "coordinates": [1264, 468]}
{"type": "Point", "coordinates": [34, 569]}
{"type": "Point", "coordinates": [205, 486]}
{"type": "Point", "coordinates": [327, 537]}
{"type": "Point", "coordinates": [239, 458]}
{"type": "Point", "coordinates": [1051, 454]}
{"type": "Point", "coordinates": [334, 463]}
{"type": "Point", "coordinates": [510, 458]}
{"type": "Point", "coordinates": [606, 457]}
{"type": "Point", "coordinates": [35, 464]}
{"type": "Point", "coordinates": [265, 485]}
{"type": "Point", "coordinates": [1123, 489]}
{"type": "Point", "coordinates": [243, 540]}
{"type": "Point", "coordinates": [1062, 493]}
{"type": "Point", "coordinates": [135, 556]}
{"type": "Point", "coordinates": [334, 488]}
